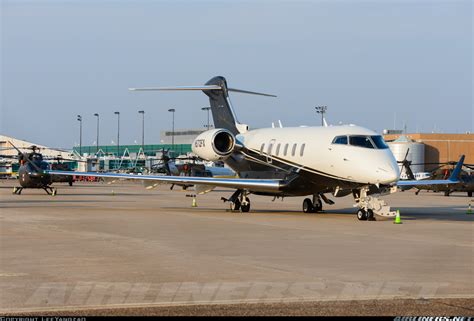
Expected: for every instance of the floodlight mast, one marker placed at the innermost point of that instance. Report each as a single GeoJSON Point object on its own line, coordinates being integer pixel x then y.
{"type": "Point", "coordinates": [321, 110]}
{"type": "Point", "coordinates": [97, 141]}
{"type": "Point", "coordinates": [79, 118]}
{"type": "Point", "coordinates": [172, 110]}
{"type": "Point", "coordinates": [143, 129]}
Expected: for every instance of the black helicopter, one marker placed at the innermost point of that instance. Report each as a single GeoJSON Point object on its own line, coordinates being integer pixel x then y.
{"type": "Point", "coordinates": [466, 179]}
{"type": "Point", "coordinates": [167, 165]}
{"type": "Point", "coordinates": [31, 173]}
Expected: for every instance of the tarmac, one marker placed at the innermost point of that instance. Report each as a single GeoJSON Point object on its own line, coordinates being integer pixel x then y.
{"type": "Point", "coordinates": [98, 249]}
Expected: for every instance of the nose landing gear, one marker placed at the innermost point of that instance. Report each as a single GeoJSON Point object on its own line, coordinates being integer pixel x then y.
{"type": "Point", "coordinates": [369, 205]}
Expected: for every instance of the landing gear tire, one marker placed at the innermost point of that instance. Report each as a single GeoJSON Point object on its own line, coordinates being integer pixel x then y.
{"type": "Point", "coordinates": [317, 206]}
{"type": "Point", "coordinates": [370, 215]}
{"type": "Point", "coordinates": [245, 208]}
{"type": "Point", "coordinates": [361, 215]}
{"type": "Point", "coordinates": [308, 206]}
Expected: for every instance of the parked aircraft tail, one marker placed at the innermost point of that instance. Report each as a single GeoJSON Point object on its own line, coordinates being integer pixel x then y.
{"type": "Point", "coordinates": [218, 92]}
{"type": "Point", "coordinates": [457, 170]}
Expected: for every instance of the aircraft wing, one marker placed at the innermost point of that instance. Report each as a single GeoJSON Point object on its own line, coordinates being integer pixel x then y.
{"type": "Point", "coordinates": [453, 179]}
{"type": "Point", "coordinates": [258, 185]}
{"type": "Point", "coordinates": [427, 182]}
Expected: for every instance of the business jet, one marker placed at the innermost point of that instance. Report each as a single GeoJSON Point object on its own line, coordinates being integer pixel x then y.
{"type": "Point", "coordinates": [285, 162]}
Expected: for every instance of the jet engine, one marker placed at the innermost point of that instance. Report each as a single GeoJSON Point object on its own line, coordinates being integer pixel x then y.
{"type": "Point", "coordinates": [214, 145]}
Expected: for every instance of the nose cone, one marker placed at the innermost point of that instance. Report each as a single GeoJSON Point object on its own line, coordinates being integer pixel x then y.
{"type": "Point", "coordinates": [389, 176]}
{"type": "Point", "coordinates": [388, 172]}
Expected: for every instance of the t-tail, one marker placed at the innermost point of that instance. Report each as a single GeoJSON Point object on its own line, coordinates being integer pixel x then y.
{"type": "Point", "coordinates": [222, 112]}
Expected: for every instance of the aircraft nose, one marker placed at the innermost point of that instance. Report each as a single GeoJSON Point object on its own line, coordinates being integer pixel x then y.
{"type": "Point", "coordinates": [389, 173]}
{"type": "Point", "coordinates": [394, 175]}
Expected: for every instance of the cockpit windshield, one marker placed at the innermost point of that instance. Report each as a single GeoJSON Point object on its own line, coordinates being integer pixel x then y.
{"type": "Point", "coordinates": [340, 140]}
{"type": "Point", "coordinates": [379, 142]}
{"type": "Point", "coordinates": [41, 165]}
{"type": "Point", "coordinates": [372, 142]}
{"type": "Point", "coordinates": [361, 141]}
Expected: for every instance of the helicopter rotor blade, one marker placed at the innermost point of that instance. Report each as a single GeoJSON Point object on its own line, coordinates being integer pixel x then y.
{"type": "Point", "coordinates": [58, 158]}
{"type": "Point", "coordinates": [406, 164]}
{"type": "Point", "coordinates": [406, 155]}
{"type": "Point", "coordinates": [26, 158]}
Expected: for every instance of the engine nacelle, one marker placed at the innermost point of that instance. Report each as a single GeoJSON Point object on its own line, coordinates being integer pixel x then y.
{"type": "Point", "coordinates": [214, 145]}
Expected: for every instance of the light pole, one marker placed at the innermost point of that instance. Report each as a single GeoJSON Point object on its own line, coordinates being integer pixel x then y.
{"type": "Point", "coordinates": [79, 118]}
{"type": "Point", "coordinates": [118, 132]}
{"type": "Point", "coordinates": [207, 108]}
{"type": "Point", "coordinates": [172, 110]}
{"type": "Point", "coordinates": [97, 141]}
{"type": "Point", "coordinates": [143, 129]}
{"type": "Point", "coordinates": [321, 110]}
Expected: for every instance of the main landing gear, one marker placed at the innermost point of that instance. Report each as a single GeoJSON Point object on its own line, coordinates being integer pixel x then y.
{"type": "Point", "coordinates": [238, 201]}
{"type": "Point", "coordinates": [313, 206]}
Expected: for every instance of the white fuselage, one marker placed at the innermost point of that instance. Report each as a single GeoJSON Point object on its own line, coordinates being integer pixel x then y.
{"type": "Point", "coordinates": [313, 149]}
{"type": "Point", "coordinates": [418, 176]}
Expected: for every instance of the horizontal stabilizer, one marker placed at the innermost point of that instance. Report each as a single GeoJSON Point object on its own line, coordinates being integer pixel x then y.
{"type": "Point", "coordinates": [249, 92]}
{"type": "Point", "coordinates": [202, 87]}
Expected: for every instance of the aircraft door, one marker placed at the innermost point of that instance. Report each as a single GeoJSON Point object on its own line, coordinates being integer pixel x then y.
{"type": "Point", "coordinates": [270, 151]}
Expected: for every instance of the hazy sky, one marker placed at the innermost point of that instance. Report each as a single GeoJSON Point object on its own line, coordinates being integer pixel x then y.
{"type": "Point", "coordinates": [366, 60]}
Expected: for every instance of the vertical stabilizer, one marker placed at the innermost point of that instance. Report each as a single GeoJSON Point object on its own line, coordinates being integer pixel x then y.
{"type": "Point", "coordinates": [222, 112]}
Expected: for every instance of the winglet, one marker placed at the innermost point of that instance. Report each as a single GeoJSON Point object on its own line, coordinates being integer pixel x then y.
{"type": "Point", "coordinates": [457, 170]}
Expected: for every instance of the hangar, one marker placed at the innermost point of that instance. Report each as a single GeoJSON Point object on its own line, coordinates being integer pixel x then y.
{"type": "Point", "coordinates": [19, 143]}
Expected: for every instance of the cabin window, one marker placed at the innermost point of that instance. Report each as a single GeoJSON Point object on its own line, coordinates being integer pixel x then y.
{"type": "Point", "coordinates": [262, 148]}
{"type": "Point", "coordinates": [293, 150]}
{"type": "Point", "coordinates": [277, 149]}
{"type": "Point", "coordinates": [361, 141]}
{"type": "Point", "coordinates": [340, 140]}
{"type": "Point", "coordinates": [285, 152]}
{"type": "Point", "coordinates": [270, 147]}
{"type": "Point", "coordinates": [302, 149]}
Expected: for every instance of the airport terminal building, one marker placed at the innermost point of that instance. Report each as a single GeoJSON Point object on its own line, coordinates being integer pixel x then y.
{"type": "Point", "coordinates": [178, 142]}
